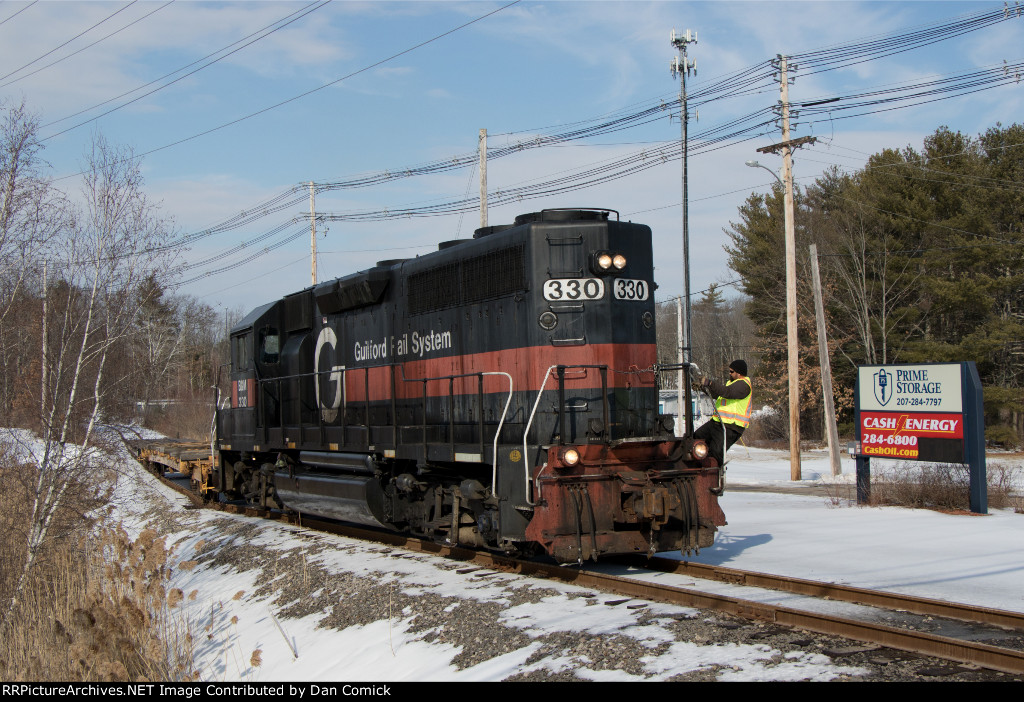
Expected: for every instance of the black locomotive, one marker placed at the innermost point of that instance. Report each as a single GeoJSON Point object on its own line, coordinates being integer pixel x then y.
{"type": "Point", "coordinates": [499, 392]}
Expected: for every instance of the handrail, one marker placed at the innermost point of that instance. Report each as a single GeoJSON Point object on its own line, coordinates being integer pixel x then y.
{"type": "Point", "coordinates": [526, 434]}
{"type": "Point", "coordinates": [394, 416]}
{"type": "Point", "coordinates": [501, 422]}
{"type": "Point", "coordinates": [561, 413]}
{"type": "Point", "coordinates": [687, 367]}
{"type": "Point", "coordinates": [213, 422]}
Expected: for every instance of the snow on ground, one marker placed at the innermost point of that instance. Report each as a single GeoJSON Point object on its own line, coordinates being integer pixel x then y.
{"type": "Point", "coordinates": [975, 559]}
{"type": "Point", "coordinates": [389, 647]}
{"type": "Point", "coordinates": [235, 607]}
{"type": "Point", "coordinates": [235, 613]}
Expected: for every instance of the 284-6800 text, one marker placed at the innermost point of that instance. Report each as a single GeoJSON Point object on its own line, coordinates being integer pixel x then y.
{"type": "Point", "coordinates": [890, 439]}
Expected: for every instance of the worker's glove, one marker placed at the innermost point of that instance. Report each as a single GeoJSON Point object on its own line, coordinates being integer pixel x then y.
{"type": "Point", "coordinates": [705, 382]}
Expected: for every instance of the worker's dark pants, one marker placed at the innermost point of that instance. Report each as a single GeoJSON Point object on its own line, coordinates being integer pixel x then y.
{"type": "Point", "coordinates": [711, 433]}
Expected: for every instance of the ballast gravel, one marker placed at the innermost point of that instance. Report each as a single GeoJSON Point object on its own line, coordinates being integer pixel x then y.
{"type": "Point", "coordinates": [595, 636]}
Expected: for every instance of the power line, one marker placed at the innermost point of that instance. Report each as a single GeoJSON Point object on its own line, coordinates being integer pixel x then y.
{"type": "Point", "coordinates": [87, 46]}
{"type": "Point", "coordinates": [596, 174]}
{"type": "Point", "coordinates": [601, 172]}
{"type": "Point", "coordinates": [325, 85]}
{"type": "Point", "coordinates": [846, 55]}
{"type": "Point", "coordinates": [254, 37]}
{"type": "Point", "coordinates": [8, 19]}
{"type": "Point", "coordinates": [726, 86]}
{"type": "Point", "coordinates": [82, 33]}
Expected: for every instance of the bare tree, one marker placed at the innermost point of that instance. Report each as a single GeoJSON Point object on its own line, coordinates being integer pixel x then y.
{"type": "Point", "coordinates": [172, 349]}
{"type": "Point", "coordinates": [722, 332]}
{"type": "Point", "coordinates": [32, 213]}
{"type": "Point", "coordinates": [876, 279]}
{"type": "Point", "coordinates": [102, 262]}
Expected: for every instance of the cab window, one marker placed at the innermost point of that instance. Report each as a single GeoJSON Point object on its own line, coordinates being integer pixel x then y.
{"type": "Point", "coordinates": [240, 352]}
{"type": "Point", "coordinates": [270, 345]}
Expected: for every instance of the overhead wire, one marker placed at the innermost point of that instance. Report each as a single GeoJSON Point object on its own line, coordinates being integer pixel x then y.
{"type": "Point", "coordinates": [621, 168]}
{"type": "Point", "coordinates": [728, 85]}
{"type": "Point", "coordinates": [734, 84]}
{"type": "Point", "coordinates": [185, 67]}
{"type": "Point", "coordinates": [846, 55]}
{"type": "Point", "coordinates": [261, 34]}
{"type": "Point", "coordinates": [327, 85]}
{"type": "Point", "coordinates": [80, 34]}
{"type": "Point", "coordinates": [87, 46]}
{"type": "Point", "coordinates": [593, 174]}
{"type": "Point", "coordinates": [5, 20]}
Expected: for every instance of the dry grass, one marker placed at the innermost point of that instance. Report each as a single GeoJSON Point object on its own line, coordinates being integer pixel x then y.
{"type": "Point", "coordinates": [98, 611]}
{"type": "Point", "coordinates": [768, 429]}
{"type": "Point", "coordinates": [95, 604]}
{"type": "Point", "coordinates": [944, 486]}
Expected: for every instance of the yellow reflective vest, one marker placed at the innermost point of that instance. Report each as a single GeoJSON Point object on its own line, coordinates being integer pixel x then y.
{"type": "Point", "coordinates": [736, 411]}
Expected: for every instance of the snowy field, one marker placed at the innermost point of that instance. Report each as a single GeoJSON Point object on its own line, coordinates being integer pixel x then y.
{"type": "Point", "coordinates": [976, 559]}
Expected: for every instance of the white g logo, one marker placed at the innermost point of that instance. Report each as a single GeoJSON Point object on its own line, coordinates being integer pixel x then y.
{"type": "Point", "coordinates": [334, 381]}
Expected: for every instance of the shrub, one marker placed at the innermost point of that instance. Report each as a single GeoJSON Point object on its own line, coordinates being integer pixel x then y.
{"type": "Point", "coordinates": [944, 486]}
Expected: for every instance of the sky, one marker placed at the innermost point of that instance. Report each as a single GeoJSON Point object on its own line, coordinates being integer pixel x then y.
{"type": "Point", "coordinates": [226, 114]}
{"type": "Point", "coordinates": [826, 538]}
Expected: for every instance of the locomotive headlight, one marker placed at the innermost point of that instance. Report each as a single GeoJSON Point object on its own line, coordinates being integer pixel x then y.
{"type": "Point", "coordinates": [605, 262]}
{"type": "Point", "coordinates": [700, 450]}
{"type": "Point", "coordinates": [570, 457]}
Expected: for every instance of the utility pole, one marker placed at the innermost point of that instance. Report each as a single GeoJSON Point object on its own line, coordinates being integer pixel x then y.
{"type": "Point", "coordinates": [45, 362]}
{"type": "Point", "coordinates": [681, 378]}
{"type": "Point", "coordinates": [826, 367]}
{"type": "Point", "coordinates": [312, 235]}
{"type": "Point", "coordinates": [682, 66]}
{"type": "Point", "coordinates": [793, 349]}
{"type": "Point", "coordinates": [483, 178]}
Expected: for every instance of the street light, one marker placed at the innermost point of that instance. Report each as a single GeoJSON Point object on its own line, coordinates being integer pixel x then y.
{"type": "Point", "coordinates": [682, 66]}
{"type": "Point", "coordinates": [755, 164]}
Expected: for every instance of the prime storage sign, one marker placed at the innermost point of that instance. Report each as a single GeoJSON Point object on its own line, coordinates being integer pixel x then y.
{"type": "Point", "coordinates": [911, 411]}
{"type": "Point", "coordinates": [921, 412]}
{"type": "Point", "coordinates": [931, 388]}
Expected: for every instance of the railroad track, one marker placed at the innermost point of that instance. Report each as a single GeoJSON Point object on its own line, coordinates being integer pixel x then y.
{"type": "Point", "coordinates": [640, 579]}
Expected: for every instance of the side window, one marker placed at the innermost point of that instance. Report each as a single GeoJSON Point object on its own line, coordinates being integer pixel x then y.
{"type": "Point", "coordinates": [240, 352]}
{"type": "Point", "coordinates": [270, 345]}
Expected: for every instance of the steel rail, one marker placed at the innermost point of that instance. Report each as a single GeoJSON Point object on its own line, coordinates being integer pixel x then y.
{"type": "Point", "coordinates": [842, 593]}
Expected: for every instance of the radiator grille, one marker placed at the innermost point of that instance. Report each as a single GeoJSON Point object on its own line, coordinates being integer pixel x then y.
{"type": "Point", "coordinates": [485, 277]}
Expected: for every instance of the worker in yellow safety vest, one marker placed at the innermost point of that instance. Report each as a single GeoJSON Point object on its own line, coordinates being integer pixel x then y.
{"type": "Point", "coordinates": [732, 404]}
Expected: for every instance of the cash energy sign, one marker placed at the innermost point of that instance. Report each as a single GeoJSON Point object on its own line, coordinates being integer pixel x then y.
{"type": "Point", "coordinates": [921, 412]}
{"type": "Point", "coordinates": [907, 411]}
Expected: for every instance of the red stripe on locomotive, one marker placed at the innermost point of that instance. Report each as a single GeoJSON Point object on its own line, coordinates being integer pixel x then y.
{"type": "Point", "coordinates": [630, 366]}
